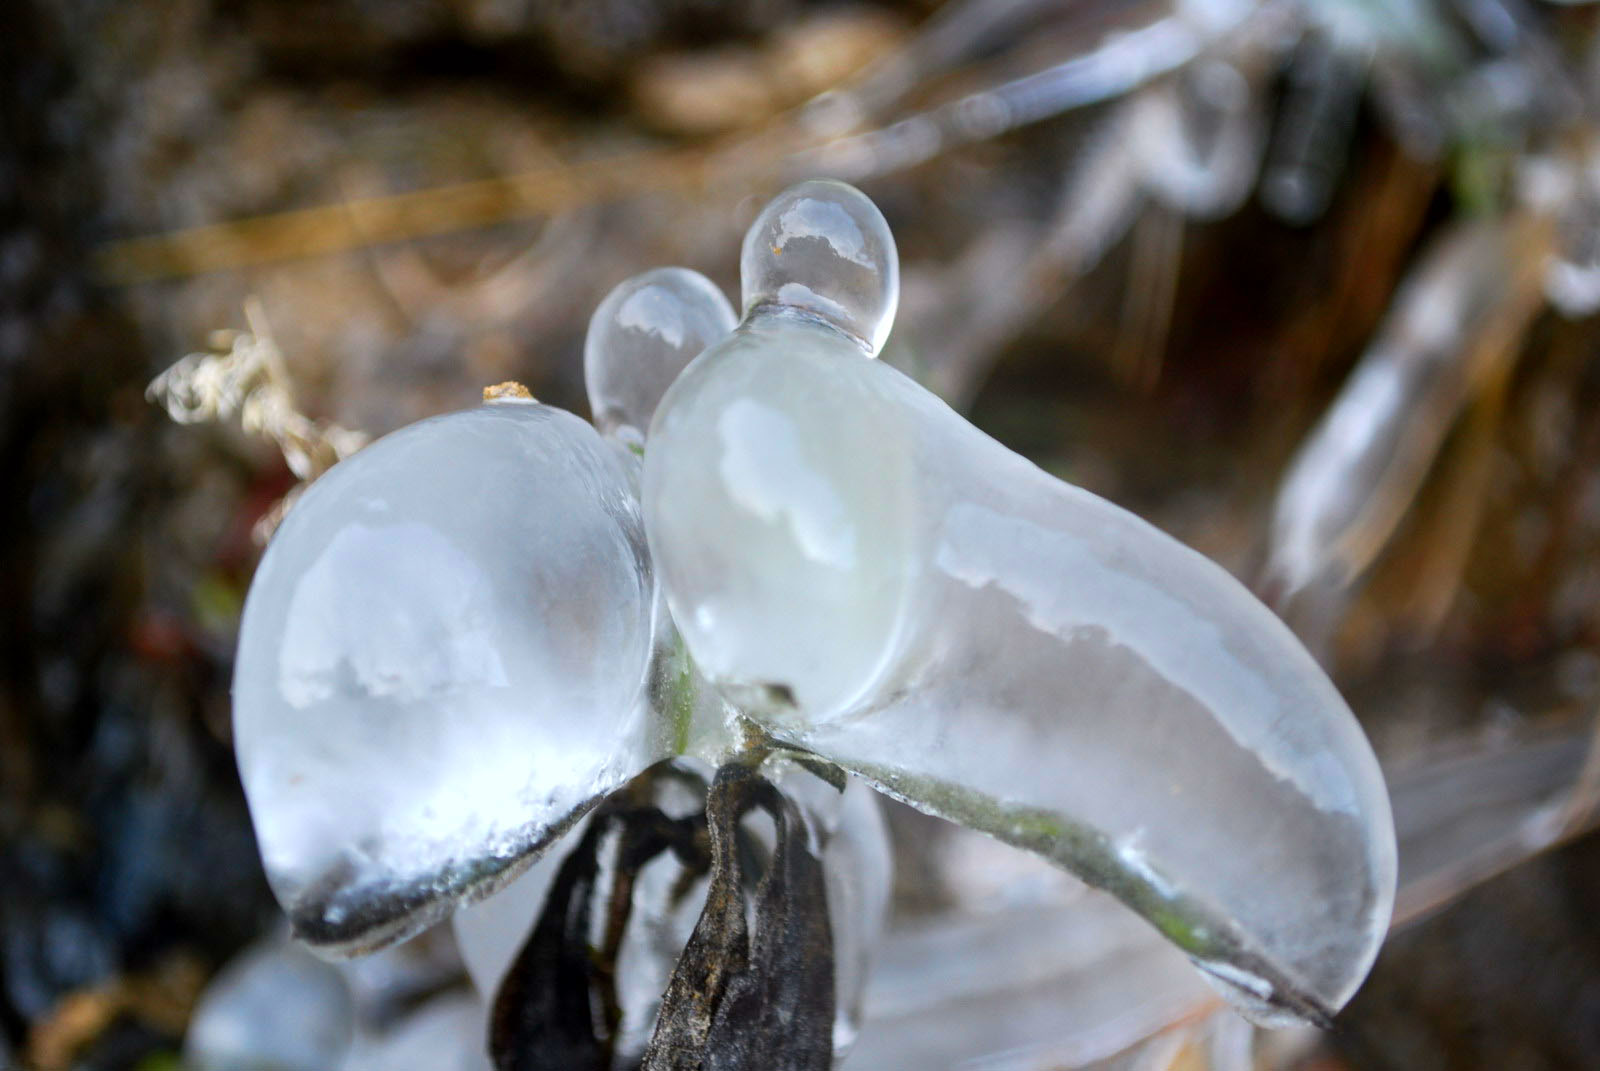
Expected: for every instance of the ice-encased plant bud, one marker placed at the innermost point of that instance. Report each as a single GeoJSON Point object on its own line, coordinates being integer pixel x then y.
{"type": "Point", "coordinates": [640, 337]}
{"type": "Point", "coordinates": [442, 663]}
{"type": "Point", "coordinates": [876, 580]}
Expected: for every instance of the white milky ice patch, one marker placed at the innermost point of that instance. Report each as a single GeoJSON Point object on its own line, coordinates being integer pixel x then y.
{"type": "Point", "coordinates": [349, 594]}
{"type": "Point", "coordinates": [757, 446]}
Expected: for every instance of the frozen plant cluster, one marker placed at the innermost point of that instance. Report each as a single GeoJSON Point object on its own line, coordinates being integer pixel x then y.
{"type": "Point", "coordinates": [776, 553]}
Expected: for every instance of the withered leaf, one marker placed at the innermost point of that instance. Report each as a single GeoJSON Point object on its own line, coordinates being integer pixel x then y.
{"type": "Point", "coordinates": [556, 1009]}
{"type": "Point", "coordinates": [737, 1003]}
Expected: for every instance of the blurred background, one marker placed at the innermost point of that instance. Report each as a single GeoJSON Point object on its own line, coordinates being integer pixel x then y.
{"type": "Point", "coordinates": [1308, 283]}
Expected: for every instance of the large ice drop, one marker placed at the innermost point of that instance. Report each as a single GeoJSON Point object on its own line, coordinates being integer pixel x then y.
{"type": "Point", "coordinates": [873, 578]}
{"type": "Point", "coordinates": [442, 663]}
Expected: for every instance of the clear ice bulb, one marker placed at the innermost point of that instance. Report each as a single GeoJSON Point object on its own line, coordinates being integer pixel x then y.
{"type": "Point", "coordinates": [821, 249]}
{"type": "Point", "coordinates": [443, 659]}
{"type": "Point", "coordinates": [640, 337]}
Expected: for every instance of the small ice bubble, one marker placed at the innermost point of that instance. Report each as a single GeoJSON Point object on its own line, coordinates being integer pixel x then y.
{"type": "Point", "coordinates": [640, 337]}
{"type": "Point", "coordinates": [824, 249]}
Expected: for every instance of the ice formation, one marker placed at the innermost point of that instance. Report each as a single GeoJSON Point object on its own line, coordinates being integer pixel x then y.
{"type": "Point", "coordinates": [455, 646]}
{"type": "Point", "coordinates": [640, 337]}
{"type": "Point", "coordinates": [443, 660]}
{"type": "Point", "coordinates": [872, 578]}
{"type": "Point", "coordinates": [276, 1006]}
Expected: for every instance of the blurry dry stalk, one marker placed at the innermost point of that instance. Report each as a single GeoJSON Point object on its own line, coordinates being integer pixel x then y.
{"type": "Point", "coordinates": [1177, 150]}
{"type": "Point", "coordinates": [857, 131]}
{"type": "Point", "coordinates": [245, 376]}
{"type": "Point", "coordinates": [826, 137]}
{"type": "Point", "coordinates": [163, 998]}
{"type": "Point", "coordinates": [363, 222]}
{"type": "Point", "coordinates": [1129, 55]}
{"type": "Point", "coordinates": [1448, 536]}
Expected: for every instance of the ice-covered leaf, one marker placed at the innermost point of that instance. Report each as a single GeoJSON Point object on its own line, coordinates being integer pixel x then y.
{"type": "Point", "coordinates": [443, 661]}
{"type": "Point", "coordinates": [876, 580]}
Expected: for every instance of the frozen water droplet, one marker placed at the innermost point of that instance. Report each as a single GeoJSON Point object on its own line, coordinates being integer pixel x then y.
{"type": "Point", "coordinates": [1013, 653]}
{"type": "Point", "coordinates": [443, 658]}
{"type": "Point", "coordinates": [275, 1005]}
{"type": "Point", "coordinates": [822, 249]}
{"type": "Point", "coordinates": [640, 337]}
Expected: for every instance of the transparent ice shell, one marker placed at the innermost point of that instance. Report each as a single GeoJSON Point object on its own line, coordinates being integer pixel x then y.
{"type": "Point", "coordinates": [872, 578]}
{"type": "Point", "coordinates": [858, 868]}
{"type": "Point", "coordinates": [822, 250]}
{"type": "Point", "coordinates": [443, 661]}
{"type": "Point", "coordinates": [640, 337]}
